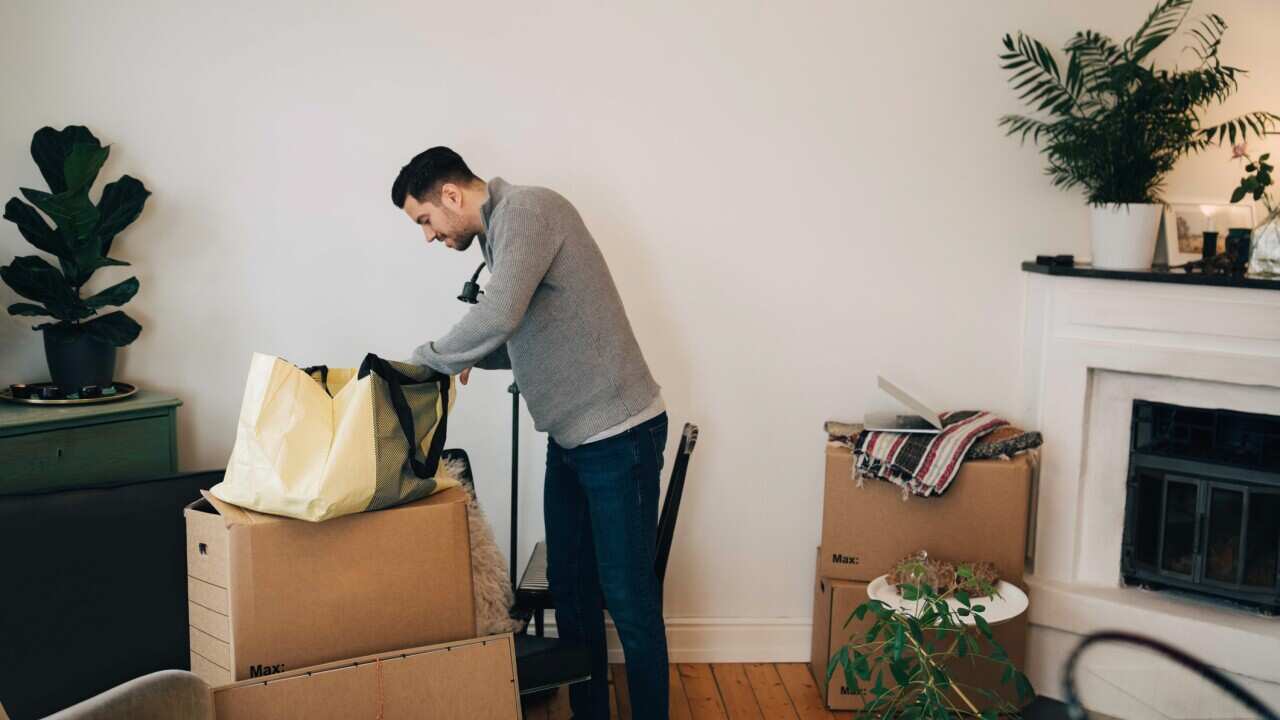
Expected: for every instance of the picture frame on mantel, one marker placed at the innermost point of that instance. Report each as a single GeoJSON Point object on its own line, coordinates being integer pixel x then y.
{"type": "Point", "coordinates": [1184, 222]}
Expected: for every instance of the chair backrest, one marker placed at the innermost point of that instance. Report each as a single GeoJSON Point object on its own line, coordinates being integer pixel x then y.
{"type": "Point", "coordinates": [463, 464]}
{"type": "Point", "coordinates": [671, 503]}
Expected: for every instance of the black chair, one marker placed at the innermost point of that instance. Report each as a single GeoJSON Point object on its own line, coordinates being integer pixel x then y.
{"type": "Point", "coordinates": [533, 594]}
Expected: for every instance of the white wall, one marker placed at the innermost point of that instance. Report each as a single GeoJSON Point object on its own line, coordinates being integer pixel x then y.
{"type": "Point", "coordinates": [792, 196]}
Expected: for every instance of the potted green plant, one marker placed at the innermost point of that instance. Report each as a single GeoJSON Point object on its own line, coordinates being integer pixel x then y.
{"type": "Point", "coordinates": [1115, 125]}
{"type": "Point", "coordinates": [80, 343]}
{"type": "Point", "coordinates": [918, 649]}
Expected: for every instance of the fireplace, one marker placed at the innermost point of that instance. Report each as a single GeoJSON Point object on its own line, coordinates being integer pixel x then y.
{"type": "Point", "coordinates": [1092, 348]}
{"type": "Point", "coordinates": [1202, 508]}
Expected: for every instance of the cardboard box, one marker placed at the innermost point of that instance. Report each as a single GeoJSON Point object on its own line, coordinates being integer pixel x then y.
{"type": "Point", "coordinates": [835, 600]}
{"type": "Point", "coordinates": [268, 594]}
{"type": "Point", "coordinates": [473, 679]}
{"type": "Point", "coordinates": [982, 516]}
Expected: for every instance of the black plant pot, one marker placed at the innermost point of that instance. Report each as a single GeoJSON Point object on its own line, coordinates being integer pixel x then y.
{"type": "Point", "coordinates": [77, 359]}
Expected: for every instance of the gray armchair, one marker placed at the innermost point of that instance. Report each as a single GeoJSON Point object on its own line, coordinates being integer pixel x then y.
{"type": "Point", "coordinates": [162, 695]}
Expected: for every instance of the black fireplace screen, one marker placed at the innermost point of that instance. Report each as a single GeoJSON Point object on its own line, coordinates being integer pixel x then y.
{"type": "Point", "coordinates": [1202, 512]}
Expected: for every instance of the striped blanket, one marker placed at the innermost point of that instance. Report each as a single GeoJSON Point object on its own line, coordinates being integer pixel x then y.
{"type": "Point", "coordinates": [921, 464]}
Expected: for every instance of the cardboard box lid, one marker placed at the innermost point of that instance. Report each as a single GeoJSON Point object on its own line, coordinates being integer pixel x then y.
{"type": "Point", "coordinates": [233, 515]}
{"type": "Point", "coordinates": [474, 679]}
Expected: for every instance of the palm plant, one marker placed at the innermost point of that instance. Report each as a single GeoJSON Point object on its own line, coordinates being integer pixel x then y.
{"type": "Point", "coordinates": [81, 239]}
{"type": "Point", "coordinates": [1114, 124]}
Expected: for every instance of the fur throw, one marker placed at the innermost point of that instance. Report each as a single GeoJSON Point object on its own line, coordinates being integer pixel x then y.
{"type": "Point", "coordinates": [494, 597]}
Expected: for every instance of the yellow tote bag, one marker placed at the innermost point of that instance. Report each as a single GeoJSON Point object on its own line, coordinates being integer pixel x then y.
{"type": "Point", "coordinates": [320, 443]}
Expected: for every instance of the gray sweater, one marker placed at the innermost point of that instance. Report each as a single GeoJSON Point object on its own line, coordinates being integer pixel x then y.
{"type": "Point", "coordinates": [551, 304]}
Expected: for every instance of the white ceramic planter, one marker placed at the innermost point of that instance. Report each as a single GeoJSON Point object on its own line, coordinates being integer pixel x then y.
{"type": "Point", "coordinates": [1124, 236]}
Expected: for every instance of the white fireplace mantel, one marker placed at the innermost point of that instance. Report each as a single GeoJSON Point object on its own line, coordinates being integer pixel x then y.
{"type": "Point", "coordinates": [1091, 346]}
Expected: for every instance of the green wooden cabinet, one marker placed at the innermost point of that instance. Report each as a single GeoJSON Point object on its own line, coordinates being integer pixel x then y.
{"type": "Point", "coordinates": [46, 448]}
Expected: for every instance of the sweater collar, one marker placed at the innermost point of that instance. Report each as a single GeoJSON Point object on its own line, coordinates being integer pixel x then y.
{"type": "Point", "coordinates": [497, 190]}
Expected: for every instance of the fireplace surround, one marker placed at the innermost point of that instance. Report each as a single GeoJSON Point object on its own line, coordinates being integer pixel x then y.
{"type": "Point", "coordinates": [1092, 347]}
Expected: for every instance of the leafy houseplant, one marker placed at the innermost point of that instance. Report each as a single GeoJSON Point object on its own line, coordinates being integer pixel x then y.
{"type": "Point", "coordinates": [1115, 125]}
{"type": "Point", "coordinates": [80, 343]}
{"type": "Point", "coordinates": [919, 652]}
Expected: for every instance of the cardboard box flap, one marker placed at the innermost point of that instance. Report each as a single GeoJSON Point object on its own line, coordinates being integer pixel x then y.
{"type": "Point", "coordinates": [473, 679]}
{"type": "Point", "coordinates": [235, 515]}
{"type": "Point", "coordinates": [375, 658]}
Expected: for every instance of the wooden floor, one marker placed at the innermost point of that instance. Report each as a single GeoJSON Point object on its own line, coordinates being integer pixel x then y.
{"type": "Point", "coordinates": [763, 691]}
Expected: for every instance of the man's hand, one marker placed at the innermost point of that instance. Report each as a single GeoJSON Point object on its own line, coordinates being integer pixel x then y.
{"type": "Point", "coordinates": [464, 376]}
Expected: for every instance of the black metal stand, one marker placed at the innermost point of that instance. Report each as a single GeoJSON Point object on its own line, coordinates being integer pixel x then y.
{"type": "Point", "coordinates": [515, 481]}
{"type": "Point", "coordinates": [542, 664]}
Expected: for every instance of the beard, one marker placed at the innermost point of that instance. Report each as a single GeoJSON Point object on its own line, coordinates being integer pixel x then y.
{"type": "Point", "coordinates": [458, 236]}
{"type": "Point", "coordinates": [460, 244]}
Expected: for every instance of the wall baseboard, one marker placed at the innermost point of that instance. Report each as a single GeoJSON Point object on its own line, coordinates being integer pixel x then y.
{"type": "Point", "coordinates": [726, 640]}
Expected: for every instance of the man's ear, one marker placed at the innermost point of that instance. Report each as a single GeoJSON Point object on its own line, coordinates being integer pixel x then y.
{"type": "Point", "coordinates": [451, 196]}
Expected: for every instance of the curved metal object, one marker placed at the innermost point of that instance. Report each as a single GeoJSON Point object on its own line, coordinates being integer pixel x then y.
{"type": "Point", "coordinates": [1201, 668]}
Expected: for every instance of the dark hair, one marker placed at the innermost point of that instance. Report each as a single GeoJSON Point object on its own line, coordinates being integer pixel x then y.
{"type": "Point", "coordinates": [426, 172]}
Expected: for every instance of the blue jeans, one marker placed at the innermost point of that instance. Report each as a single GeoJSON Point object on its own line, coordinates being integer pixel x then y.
{"type": "Point", "coordinates": [601, 505]}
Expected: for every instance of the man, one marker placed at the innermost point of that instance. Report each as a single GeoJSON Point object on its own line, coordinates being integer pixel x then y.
{"type": "Point", "coordinates": [552, 314]}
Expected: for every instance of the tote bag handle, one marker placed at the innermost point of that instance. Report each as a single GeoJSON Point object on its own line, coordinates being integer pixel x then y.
{"type": "Point", "coordinates": [395, 380]}
{"type": "Point", "coordinates": [324, 376]}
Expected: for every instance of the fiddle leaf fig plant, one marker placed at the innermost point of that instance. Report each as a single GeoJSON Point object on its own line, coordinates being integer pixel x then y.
{"type": "Point", "coordinates": [79, 238]}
